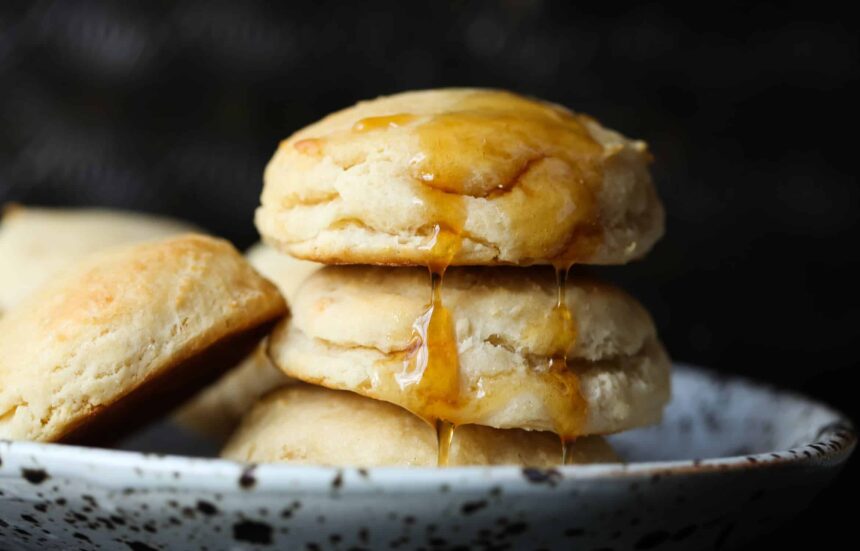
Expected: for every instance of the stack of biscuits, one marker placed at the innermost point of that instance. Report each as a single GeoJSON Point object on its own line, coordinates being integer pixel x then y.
{"type": "Point", "coordinates": [449, 220]}
{"type": "Point", "coordinates": [429, 247]}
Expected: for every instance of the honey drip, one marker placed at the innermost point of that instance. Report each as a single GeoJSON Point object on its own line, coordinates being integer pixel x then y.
{"type": "Point", "coordinates": [444, 437]}
{"type": "Point", "coordinates": [567, 450]}
{"type": "Point", "coordinates": [571, 419]}
{"type": "Point", "coordinates": [436, 392]}
{"type": "Point", "coordinates": [565, 330]}
{"type": "Point", "coordinates": [436, 395]}
{"type": "Point", "coordinates": [432, 376]}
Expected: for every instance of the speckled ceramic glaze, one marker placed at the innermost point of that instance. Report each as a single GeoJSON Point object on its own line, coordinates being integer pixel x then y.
{"type": "Point", "coordinates": [731, 459]}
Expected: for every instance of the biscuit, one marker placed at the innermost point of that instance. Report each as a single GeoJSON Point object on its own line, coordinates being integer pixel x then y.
{"type": "Point", "coordinates": [125, 334]}
{"type": "Point", "coordinates": [304, 424]}
{"type": "Point", "coordinates": [36, 243]}
{"type": "Point", "coordinates": [217, 410]}
{"type": "Point", "coordinates": [351, 328]}
{"type": "Point", "coordinates": [285, 271]}
{"type": "Point", "coordinates": [460, 177]}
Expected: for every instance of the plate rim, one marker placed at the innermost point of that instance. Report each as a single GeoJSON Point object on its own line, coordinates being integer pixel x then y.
{"type": "Point", "coordinates": [111, 469]}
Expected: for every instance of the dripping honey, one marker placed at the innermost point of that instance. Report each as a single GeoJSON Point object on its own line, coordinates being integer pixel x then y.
{"type": "Point", "coordinates": [480, 148]}
{"type": "Point", "coordinates": [570, 415]}
{"type": "Point", "coordinates": [571, 424]}
{"type": "Point", "coordinates": [567, 450]}
{"type": "Point", "coordinates": [432, 372]}
{"type": "Point", "coordinates": [444, 437]}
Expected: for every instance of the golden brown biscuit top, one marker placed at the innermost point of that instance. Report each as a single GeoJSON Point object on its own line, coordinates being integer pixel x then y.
{"type": "Point", "coordinates": [473, 176]}
{"type": "Point", "coordinates": [116, 320]}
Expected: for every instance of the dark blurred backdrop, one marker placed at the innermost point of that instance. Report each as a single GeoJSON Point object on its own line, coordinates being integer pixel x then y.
{"type": "Point", "coordinates": [749, 110]}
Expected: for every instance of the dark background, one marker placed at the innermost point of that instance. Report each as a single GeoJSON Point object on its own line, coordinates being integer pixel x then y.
{"type": "Point", "coordinates": [749, 111]}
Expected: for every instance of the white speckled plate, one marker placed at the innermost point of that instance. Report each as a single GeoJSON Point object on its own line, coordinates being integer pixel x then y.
{"type": "Point", "coordinates": [731, 458]}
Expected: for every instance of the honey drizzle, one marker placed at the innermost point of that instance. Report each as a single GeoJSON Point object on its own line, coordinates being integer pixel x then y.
{"type": "Point", "coordinates": [568, 423]}
{"type": "Point", "coordinates": [432, 374]}
{"type": "Point", "coordinates": [435, 367]}
{"type": "Point", "coordinates": [480, 148]}
{"type": "Point", "coordinates": [567, 451]}
{"type": "Point", "coordinates": [433, 371]}
{"type": "Point", "coordinates": [561, 313]}
{"type": "Point", "coordinates": [444, 437]}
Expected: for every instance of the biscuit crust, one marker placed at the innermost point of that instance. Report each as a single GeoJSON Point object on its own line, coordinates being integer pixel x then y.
{"type": "Point", "coordinates": [36, 243]}
{"type": "Point", "coordinates": [515, 180]}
